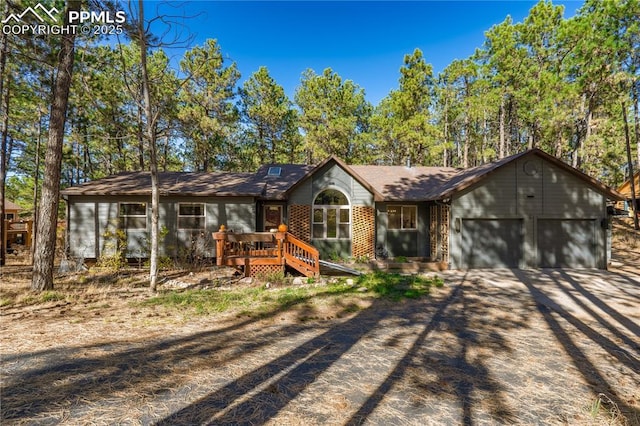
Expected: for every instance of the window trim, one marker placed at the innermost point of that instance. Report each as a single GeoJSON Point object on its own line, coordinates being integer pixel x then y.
{"type": "Point", "coordinates": [123, 217]}
{"type": "Point", "coordinates": [203, 216]}
{"type": "Point", "coordinates": [325, 211]}
{"type": "Point", "coordinates": [402, 207]}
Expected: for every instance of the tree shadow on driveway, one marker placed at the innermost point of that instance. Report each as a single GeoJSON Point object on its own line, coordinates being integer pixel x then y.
{"type": "Point", "coordinates": [453, 373]}
{"type": "Point", "coordinates": [575, 313]}
{"type": "Point", "coordinates": [474, 354]}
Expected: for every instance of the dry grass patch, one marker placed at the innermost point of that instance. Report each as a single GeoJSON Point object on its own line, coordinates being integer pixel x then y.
{"type": "Point", "coordinates": [344, 295]}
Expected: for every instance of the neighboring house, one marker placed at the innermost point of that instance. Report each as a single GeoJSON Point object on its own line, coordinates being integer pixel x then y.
{"type": "Point", "coordinates": [625, 190]}
{"type": "Point", "coordinates": [526, 210]}
{"type": "Point", "coordinates": [17, 231]}
{"type": "Point", "coordinates": [11, 210]}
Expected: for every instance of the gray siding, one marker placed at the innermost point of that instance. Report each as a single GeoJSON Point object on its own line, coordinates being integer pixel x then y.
{"type": "Point", "coordinates": [567, 196]}
{"type": "Point", "coordinates": [82, 230]}
{"type": "Point", "coordinates": [529, 189]}
{"type": "Point", "coordinates": [409, 243]}
{"type": "Point", "coordinates": [90, 218]}
{"type": "Point", "coordinates": [495, 197]}
{"type": "Point", "coordinates": [303, 194]}
{"type": "Point", "coordinates": [333, 249]}
{"type": "Point", "coordinates": [331, 176]}
{"type": "Point", "coordinates": [533, 191]}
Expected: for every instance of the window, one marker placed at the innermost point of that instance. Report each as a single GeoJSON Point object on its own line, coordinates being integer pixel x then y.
{"type": "Point", "coordinates": [133, 215]}
{"type": "Point", "coordinates": [274, 171]}
{"type": "Point", "coordinates": [402, 217]}
{"type": "Point", "coordinates": [331, 215]}
{"type": "Point", "coordinates": [191, 216]}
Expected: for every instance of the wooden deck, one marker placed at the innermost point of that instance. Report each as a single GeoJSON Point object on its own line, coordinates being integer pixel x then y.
{"type": "Point", "coordinates": [18, 232]}
{"type": "Point", "coordinates": [266, 252]}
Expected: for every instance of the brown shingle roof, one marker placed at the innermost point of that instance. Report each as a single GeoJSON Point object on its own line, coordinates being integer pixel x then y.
{"type": "Point", "coordinates": [386, 183]}
{"type": "Point", "coordinates": [173, 183]}
{"type": "Point", "coordinates": [275, 187]}
{"type": "Point", "coordinates": [400, 183]}
{"type": "Point", "coordinates": [9, 205]}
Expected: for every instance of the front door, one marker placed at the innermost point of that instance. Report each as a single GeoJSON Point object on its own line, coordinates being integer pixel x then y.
{"type": "Point", "coordinates": [272, 215]}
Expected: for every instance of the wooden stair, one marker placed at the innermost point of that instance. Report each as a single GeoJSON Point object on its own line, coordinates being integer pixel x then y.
{"type": "Point", "coordinates": [265, 252]}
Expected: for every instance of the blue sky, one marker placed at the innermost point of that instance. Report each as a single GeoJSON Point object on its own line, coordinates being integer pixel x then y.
{"type": "Point", "coordinates": [362, 41]}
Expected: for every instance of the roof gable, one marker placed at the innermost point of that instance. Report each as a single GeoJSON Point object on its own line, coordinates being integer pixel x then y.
{"type": "Point", "coordinates": [349, 169]}
{"type": "Point", "coordinates": [11, 206]}
{"type": "Point", "coordinates": [473, 176]}
{"type": "Point", "coordinates": [625, 188]}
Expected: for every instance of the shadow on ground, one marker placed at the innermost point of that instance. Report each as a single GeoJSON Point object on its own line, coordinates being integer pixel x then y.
{"type": "Point", "coordinates": [499, 347]}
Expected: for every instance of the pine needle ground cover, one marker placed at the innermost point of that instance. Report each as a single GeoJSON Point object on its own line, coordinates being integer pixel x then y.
{"type": "Point", "coordinates": [498, 347]}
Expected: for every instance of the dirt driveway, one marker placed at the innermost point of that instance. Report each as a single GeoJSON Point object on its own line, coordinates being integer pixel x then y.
{"type": "Point", "coordinates": [491, 347]}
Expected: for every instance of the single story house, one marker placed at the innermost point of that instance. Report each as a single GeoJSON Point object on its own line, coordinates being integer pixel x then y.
{"type": "Point", "coordinates": [527, 210]}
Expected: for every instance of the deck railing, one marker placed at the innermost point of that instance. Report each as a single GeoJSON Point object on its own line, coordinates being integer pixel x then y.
{"type": "Point", "coordinates": [18, 232]}
{"type": "Point", "coordinates": [248, 250]}
{"type": "Point", "coordinates": [302, 256]}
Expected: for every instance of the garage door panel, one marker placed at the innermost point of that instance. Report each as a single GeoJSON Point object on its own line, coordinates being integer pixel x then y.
{"type": "Point", "coordinates": [564, 243]}
{"type": "Point", "coordinates": [491, 243]}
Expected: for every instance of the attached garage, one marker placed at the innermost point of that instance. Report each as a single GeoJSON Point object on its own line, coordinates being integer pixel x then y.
{"type": "Point", "coordinates": [567, 243]}
{"type": "Point", "coordinates": [529, 210]}
{"type": "Point", "coordinates": [491, 243]}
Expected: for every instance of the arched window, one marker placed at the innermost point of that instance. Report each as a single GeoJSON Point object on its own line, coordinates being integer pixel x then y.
{"type": "Point", "coordinates": [331, 215]}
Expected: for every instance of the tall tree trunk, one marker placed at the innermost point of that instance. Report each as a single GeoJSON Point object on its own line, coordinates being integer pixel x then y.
{"type": "Point", "coordinates": [153, 157]}
{"type": "Point", "coordinates": [636, 117]}
{"type": "Point", "coordinates": [587, 137]}
{"type": "Point", "coordinates": [4, 120]}
{"type": "Point", "coordinates": [634, 200]}
{"type": "Point", "coordinates": [140, 134]}
{"type": "Point", "coordinates": [502, 147]}
{"type": "Point", "coordinates": [485, 140]}
{"type": "Point", "coordinates": [532, 138]}
{"type": "Point", "coordinates": [580, 140]}
{"type": "Point", "coordinates": [445, 153]}
{"type": "Point", "coordinates": [3, 172]}
{"type": "Point", "coordinates": [467, 126]}
{"type": "Point", "coordinates": [165, 155]}
{"type": "Point", "coordinates": [558, 147]}
{"type": "Point", "coordinates": [36, 186]}
{"type": "Point", "coordinates": [48, 217]}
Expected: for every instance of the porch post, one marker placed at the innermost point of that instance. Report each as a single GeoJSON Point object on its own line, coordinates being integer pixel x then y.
{"type": "Point", "coordinates": [280, 236]}
{"type": "Point", "coordinates": [221, 242]}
